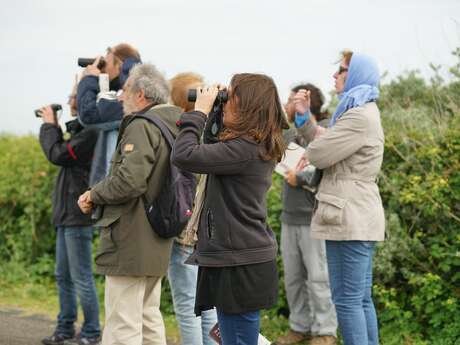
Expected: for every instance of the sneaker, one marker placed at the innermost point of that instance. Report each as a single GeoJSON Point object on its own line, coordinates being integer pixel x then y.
{"type": "Point", "coordinates": [291, 338]}
{"type": "Point", "coordinates": [79, 340]}
{"type": "Point", "coordinates": [56, 339]}
{"type": "Point", "coordinates": [323, 340]}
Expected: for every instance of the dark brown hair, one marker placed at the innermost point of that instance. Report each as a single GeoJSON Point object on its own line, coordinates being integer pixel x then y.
{"type": "Point", "coordinates": [259, 114]}
{"type": "Point", "coordinates": [316, 100]}
{"type": "Point", "coordinates": [179, 86]}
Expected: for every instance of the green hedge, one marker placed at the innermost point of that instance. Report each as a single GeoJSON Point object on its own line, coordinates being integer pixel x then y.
{"type": "Point", "coordinates": [417, 269]}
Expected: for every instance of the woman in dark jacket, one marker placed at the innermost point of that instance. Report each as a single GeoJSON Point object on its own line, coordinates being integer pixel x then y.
{"type": "Point", "coordinates": [236, 248]}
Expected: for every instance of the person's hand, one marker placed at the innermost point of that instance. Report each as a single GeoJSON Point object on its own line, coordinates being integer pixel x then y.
{"type": "Point", "coordinates": [303, 162]}
{"type": "Point", "coordinates": [205, 98]}
{"type": "Point", "coordinates": [302, 101]}
{"type": "Point", "coordinates": [291, 177]}
{"type": "Point", "coordinates": [85, 203]}
{"type": "Point", "coordinates": [92, 69]}
{"type": "Point", "coordinates": [48, 115]}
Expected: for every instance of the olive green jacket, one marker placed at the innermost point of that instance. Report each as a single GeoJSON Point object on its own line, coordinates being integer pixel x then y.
{"type": "Point", "coordinates": [128, 245]}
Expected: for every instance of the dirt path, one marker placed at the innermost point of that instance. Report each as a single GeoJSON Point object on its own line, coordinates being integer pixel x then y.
{"type": "Point", "coordinates": [18, 327]}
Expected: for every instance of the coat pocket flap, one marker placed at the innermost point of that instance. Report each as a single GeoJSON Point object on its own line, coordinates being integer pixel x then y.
{"type": "Point", "coordinates": [331, 199]}
{"type": "Point", "coordinates": [107, 220]}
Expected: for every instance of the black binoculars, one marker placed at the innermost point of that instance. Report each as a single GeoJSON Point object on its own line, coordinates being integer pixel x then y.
{"type": "Point", "coordinates": [55, 107]}
{"type": "Point", "coordinates": [222, 96]}
{"type": "Point", "coordinates": [83, 62]}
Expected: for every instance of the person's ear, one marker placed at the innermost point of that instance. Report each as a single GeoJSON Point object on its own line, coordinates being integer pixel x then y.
{"type": "Point", "coordinates": [140, 95]}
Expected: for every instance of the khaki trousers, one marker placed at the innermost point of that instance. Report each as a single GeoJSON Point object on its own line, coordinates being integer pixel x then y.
{"type": "Point", "coordinates": [132, 311]}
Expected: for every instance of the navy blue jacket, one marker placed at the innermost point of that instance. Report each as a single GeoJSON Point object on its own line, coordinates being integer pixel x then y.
{"type": "Point", "coordinates": [104, 115]}
{"type": "Point", "coordinates": [91, 112]}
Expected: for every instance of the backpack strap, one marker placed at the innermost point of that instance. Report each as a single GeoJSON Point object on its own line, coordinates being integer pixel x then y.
{"type": "Point", "coordinates": [165, 131]}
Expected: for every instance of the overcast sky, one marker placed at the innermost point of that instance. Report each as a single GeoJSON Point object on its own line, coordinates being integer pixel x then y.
{"type": "Point", "coordinates": [291, 41]}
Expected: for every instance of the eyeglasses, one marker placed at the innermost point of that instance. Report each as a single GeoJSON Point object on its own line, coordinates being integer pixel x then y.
{"type": "Point", "coordinates": [342, 69]}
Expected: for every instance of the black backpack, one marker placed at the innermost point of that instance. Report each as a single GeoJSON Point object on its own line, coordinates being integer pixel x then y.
{"type": "Point", "coordinates": [169, 213]}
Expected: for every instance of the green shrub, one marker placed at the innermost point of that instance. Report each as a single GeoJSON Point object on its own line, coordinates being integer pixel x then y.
{"type": "Point", "coordinates": [26, 180]}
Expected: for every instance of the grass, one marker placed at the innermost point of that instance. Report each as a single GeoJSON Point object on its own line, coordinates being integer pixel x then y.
{"type": "Point", "coordinates": [41, 298]}
{"type": "Point", "coordinates": [18, 291]}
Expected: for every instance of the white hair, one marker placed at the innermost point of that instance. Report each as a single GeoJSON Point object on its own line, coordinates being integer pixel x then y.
{"type": "Point", "coordinates": [147, 78]}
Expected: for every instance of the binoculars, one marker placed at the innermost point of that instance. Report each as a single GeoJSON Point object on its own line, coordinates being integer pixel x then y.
{"type": "Point", "coordinates": [222, 96]}
{"type": "Point", "coordinates": [55, 107]}
{"type": "Point", "coordinates": [83, 62]}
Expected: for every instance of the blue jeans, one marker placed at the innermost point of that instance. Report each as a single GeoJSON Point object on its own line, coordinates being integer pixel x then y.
{"type": "Point", "coordinates": [239, 329]}
{"type": "Point", "coordinates": [74, 277]}
{"type": "Point", "coordinates": [182, 279]}
{"type": "Point", "coordinates": [350, 275]}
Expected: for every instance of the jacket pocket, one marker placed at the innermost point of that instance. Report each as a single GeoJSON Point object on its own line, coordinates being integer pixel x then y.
{"type": "Point", "coordinates": [107, 252]}
{"type": "Point", "coordinates": [330, 209]}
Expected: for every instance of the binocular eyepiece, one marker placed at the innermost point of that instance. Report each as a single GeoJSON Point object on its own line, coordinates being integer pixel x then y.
{"type": "Point", "coordinates": [222, 96]}
{"type": "Point", "coordinates": [83, 62]}
{"type": "Point", "coordinates": [55, 107]}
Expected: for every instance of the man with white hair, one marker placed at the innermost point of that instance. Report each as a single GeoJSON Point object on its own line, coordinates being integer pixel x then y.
{"type": "Point", "coordinates": [131, 256]}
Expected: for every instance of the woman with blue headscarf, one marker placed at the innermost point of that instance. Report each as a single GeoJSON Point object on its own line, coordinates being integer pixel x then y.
{"type": "Point", "coordinates": [349, 213]}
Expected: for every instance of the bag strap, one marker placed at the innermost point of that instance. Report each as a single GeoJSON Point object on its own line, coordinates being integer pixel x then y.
{"type": "Point", "coordinates": [167, 134]}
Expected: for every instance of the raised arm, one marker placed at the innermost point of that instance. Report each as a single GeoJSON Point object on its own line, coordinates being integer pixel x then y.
{"type": "Point", "coordinates": [229, 157]}
{"type": "Point", "coordinates": [337, 143]}
{"type": "Point", "coordinates": [91, 111]}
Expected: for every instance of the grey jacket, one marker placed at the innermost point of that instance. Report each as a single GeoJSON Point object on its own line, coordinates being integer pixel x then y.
{"type": "Point", "coordinates": [351, 153]}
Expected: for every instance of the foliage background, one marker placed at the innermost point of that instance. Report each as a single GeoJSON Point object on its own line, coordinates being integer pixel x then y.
{"type": "Point", "coordinates": [417, 269]}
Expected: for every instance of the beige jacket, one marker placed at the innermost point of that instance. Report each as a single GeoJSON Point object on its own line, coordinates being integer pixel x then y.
{"type": "Point", "coordinates": [349, 205]}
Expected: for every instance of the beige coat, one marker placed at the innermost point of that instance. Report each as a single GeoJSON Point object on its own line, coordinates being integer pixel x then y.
{"type": "Point", "coordinates": [351, 152]}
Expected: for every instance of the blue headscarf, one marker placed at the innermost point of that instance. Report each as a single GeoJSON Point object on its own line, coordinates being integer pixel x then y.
{"type": "Point", "coordinates": [361, 85]}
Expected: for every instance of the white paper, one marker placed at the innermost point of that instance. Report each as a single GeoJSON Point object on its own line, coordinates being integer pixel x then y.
{"type": "Point", "coordinates": [291, 158]}
{"type": "Point", "coordinates": [262, 340]}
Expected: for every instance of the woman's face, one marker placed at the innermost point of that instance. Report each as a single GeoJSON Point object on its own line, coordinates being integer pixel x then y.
{"type": "Point", "coordinates": [230, 109]}
{"type": "Point", "coordinates": [340, 77]}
